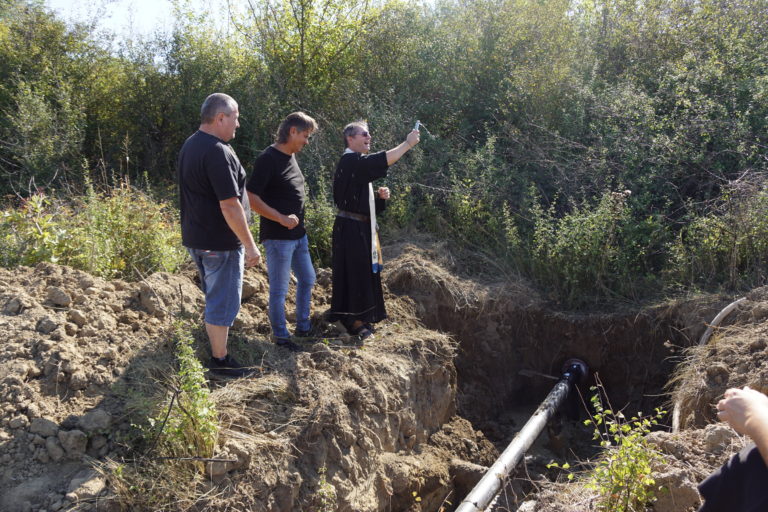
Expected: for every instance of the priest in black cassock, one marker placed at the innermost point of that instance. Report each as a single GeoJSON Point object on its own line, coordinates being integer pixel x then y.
{"type": "Point", "coordinates": [357, 298]}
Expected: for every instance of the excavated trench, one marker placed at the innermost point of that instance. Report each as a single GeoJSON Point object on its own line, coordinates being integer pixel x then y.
{"type": "Point", "coordinates": [510, 339]}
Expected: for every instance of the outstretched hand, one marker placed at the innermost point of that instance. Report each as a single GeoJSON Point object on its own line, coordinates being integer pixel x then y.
{"type": "Point", "coordinates": [413, 138]}
{"type": "Point", "coordinates": [745, 410]}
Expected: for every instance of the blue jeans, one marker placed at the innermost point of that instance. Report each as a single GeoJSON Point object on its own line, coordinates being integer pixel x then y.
{"type": "Point", "coordinates": [221, 279]}
{"type": "Point", "coordinates": [282, 257]}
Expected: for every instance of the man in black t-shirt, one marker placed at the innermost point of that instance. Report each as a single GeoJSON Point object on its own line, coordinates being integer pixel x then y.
{"type": "Point", "coordinates": [276, 192]}
{"type": "Point", "coordinates": [214, 222]}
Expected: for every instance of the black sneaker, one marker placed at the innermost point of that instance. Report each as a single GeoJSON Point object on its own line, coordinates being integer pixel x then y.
{"type": "Point", "coordinates": [228, 367]}
{"type": "Point", "coordinates": [299, 333]}
{"type": "Point", "coordinates": [287, 343]}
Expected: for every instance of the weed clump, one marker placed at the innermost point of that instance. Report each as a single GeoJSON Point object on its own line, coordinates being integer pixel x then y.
{"type": "Point", "coordinates": [179, 436]}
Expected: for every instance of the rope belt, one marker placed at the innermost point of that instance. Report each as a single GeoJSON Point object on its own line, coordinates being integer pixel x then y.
{"type": "Point", "coordinates": [351, 215]}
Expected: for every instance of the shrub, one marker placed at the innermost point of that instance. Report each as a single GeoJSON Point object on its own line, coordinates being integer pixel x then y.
{"type": "Point", "coordinates": [176, 431]}
{"type": "Point", "coordinates": [726, 245]}
{"type": "Point", "coordinates": [622, 475]}
{"type": "Point", "coordinates": [120, 233]}
{"type": "Point", "coordinates": [319, 216]}
{"type": "Point", "coordinates": [127, 234]}
{"type": "Point", "coordinates": [30, 233]}
{"type": "Point", "coordinates": [188, 421]}
{"type": "Point", "coordinates": [576, 255]}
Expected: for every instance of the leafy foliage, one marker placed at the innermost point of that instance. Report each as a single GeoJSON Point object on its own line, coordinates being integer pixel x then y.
{"type": "Point", "coordinates": [666, 98]}
{"type": "Point", "coordinates": [622, 476]}
{"type": "Point", "coordinates": [176, 429]}
{"type": "Point", "coordinates": [188, 422]}
{"type": "Point", "coordinates": [123, 233]}
{"type": "Point", "coordinates": [728, 244]}
{"type": "Point", "coordinates": [580, 253]}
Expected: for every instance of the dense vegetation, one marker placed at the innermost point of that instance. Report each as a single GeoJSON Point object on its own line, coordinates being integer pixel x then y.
{"type": "Point", "coordinates": [604, 148]}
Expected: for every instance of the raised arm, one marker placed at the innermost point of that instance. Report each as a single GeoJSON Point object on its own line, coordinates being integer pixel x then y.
{"type": "Point", "coordinates": [394, 154]}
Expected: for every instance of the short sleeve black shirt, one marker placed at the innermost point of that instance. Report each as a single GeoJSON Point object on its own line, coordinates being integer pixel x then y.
{"type": "Point", "coordinates": [208, 172]}
{"type": "Point", "coordinates": [278, 181]}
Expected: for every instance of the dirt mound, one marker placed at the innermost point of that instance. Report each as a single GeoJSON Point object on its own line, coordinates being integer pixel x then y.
{"type": "Point", "coordinates": [735, 356]}
{"type": "Point", "coordinates": [370, 425]}
{"type": "Point", "coordinates": [397, 424]}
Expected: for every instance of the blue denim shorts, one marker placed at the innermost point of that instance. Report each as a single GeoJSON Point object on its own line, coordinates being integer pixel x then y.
{"type": "Point", "coordinates": [221, 279]}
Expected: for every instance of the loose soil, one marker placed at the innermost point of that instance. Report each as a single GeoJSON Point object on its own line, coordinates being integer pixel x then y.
{"type": "Point", "coordinates": [408, 421]}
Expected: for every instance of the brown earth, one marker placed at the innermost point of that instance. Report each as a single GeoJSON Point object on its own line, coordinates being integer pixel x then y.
{"type": "Point", "coordinates": [402, 423]}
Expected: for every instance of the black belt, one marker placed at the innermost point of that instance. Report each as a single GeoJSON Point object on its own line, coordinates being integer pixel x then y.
{"type": "Point", "coordinates": [351, 215]}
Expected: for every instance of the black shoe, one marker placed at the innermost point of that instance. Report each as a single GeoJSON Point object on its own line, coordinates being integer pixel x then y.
{"type": "Point", "coordinates": [286, 343]}
{"type": "Point", "coordinates": [299, 333]}
{"type": "Point", "coordinates": [370, 327]}
{"type": "Point", "coordinates": [228, 367]}
{"type": "Point", "coordinates": [363, 333]}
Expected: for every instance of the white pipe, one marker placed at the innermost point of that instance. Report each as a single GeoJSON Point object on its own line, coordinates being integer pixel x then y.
{"type": "Point", "coordinates": [703, 341]}
{"type": "Point", "coordinates": [490, 485]}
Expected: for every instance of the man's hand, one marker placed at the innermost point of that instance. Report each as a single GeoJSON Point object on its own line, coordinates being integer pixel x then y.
{"type": "Point", "coordinates": [252, 256]}
{"type": "Point", "coordinates": [746, 410]}
{"type": "Point", "coordinates": [289, 221]}
{"type": "Point", "coordinates": [413, 138]}
{"type": "Point", "coordinates": [383, 193]}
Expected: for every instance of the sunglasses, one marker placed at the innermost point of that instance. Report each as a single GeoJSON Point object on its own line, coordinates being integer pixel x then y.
{"type": "Point", "coordinates": [363, 134]}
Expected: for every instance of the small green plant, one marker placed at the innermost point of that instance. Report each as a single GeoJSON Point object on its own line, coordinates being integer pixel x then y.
{"type": "Point", "coordinates": [174, 434]}
{"type": "Point", "coordinates": [30, 233]}
{"type": "Point", "coordinates": [622, 475]}
{"type": "Point", "coordinates": [188, 420]}
{"type": "Point", "coordinates": [325, 498]}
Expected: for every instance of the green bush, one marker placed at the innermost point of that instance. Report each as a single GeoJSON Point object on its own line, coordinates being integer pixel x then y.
{"type": "Point", "coordinates": [726, 245]}
{"type": "Point", "coordinates": [187, 420]}
{"type": "Point", "coordinates": [319, 216]}
{"type": "Point", "coordinates": [127, 234]}
{"type": "Point", "coordinates": [622, 475]}
{"type": "Point", "coordinates": [177, 427]}
{"type": "Point", "coordinates": [576, 255]}
{"type": "Point", "coordinates": [120, 233]}
{"type": "Point", "coordinates": [31, 233]}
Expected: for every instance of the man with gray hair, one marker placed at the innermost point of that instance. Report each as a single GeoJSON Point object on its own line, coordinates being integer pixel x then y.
{"type": "Point", "coordinates": [214, 222]}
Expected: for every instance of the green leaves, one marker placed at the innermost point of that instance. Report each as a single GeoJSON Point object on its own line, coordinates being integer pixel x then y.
{"type": "Point", "coordinates": [622, 474]}
{"type": "Point", "coordinates": [120, 233]}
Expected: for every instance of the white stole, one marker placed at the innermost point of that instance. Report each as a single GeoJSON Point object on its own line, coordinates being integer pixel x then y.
{"type": "Point", "coordinates": [377, 262]}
